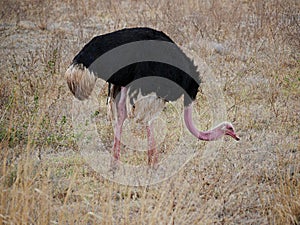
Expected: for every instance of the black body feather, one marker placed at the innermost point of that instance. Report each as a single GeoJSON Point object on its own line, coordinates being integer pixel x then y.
{"type": "Point", "coordinates": [167, 81]}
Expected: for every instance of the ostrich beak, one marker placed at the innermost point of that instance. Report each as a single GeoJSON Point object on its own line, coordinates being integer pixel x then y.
{"type": "Point", "coordinates": [233, 135]}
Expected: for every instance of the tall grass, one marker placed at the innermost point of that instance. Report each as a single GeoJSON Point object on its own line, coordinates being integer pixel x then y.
{"type": "Point", "coordinates": [253, 49]}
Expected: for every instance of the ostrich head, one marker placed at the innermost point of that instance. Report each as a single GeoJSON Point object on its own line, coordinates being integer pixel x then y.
{"type": "Point", "coordinates": [228, 129]}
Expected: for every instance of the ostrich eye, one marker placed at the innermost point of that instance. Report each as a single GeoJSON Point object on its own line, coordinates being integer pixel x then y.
{"type": "Point", "coordinates": [230, 128]}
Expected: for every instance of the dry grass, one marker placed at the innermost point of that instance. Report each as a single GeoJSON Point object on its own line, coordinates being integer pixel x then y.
{"type": "Point", "coordinates": [252, 48]}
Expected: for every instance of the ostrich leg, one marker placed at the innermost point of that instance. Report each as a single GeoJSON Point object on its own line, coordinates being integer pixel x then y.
{"type": "Point", "coordinates": [152, 152]}
{"type": "Point", "coordinates": [121, 116]}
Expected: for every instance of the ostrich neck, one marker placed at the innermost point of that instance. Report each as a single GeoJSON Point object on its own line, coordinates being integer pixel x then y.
{"type": "Point", "coordinates": [209, 135]}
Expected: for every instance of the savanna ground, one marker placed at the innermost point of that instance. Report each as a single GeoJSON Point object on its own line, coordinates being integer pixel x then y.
{"type": "Point", "coordinates": [252, 47]}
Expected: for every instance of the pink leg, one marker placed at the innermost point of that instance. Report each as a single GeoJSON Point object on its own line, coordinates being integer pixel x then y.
{"type": "Point", "coordinates": [152, 153]}
{"type": "Point", "coordinates": [121, 116]}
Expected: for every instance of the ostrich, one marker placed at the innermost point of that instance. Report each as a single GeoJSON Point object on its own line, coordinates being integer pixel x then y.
{"type": "Point", "coordinates": [140, 76]}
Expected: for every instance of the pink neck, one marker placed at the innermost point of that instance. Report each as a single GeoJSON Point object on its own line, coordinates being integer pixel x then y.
{"type": "Point", "coordinates": [209, 135]}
